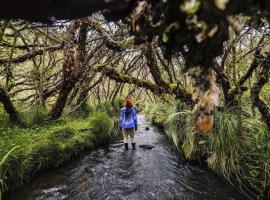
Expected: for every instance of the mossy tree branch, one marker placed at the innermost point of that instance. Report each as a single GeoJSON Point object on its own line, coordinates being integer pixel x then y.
{"type": "Point", "coordinates": [226, 85]}
{"type": "Point", "coordinates": [115, 45]}
{"type": "Point", "coordinates": [262, 79]}
{"type": "Point", "coordinates": [153, 66]}
{"type": "Point", "coordinates": [112, 73]}
{"type": "Point", "coordinates": [30, 55]}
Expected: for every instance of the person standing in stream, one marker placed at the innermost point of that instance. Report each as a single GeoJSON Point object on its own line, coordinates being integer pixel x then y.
{"type": "Point", "coordinates": [128, 123]}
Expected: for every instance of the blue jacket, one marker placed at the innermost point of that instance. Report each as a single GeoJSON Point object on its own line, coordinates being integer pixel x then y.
{"type": "Point", "coordinates": [128, 118]}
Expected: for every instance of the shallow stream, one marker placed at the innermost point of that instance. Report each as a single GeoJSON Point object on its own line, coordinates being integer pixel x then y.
{"type": "Point", "coordinates": [111, 173]}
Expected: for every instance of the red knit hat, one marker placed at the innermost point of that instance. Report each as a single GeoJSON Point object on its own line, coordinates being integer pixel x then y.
{"type": "Point", "coordinates": [128, 103]}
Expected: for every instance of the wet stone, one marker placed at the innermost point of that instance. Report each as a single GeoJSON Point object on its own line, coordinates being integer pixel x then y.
{"type": "Point", "coordinates": [146, 146]}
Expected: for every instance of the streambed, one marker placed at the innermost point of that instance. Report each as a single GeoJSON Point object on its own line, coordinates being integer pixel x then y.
{"type": "Point", "coordinates": [112, 173]}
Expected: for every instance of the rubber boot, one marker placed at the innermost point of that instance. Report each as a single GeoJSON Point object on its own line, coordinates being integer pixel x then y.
{"type": "Point", "coordinates": [126, 146]}
{"type": "Point", "coordinates": [133, 146]}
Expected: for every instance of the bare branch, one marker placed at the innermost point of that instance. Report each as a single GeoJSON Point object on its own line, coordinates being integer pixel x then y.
{"type": "Point", "coordinates": [32, 54]}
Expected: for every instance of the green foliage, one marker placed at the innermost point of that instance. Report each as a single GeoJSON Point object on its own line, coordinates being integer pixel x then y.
{"type": "Point", "coordinates": [118, 104]}
{"type": "Point", "coordinates": [157, 112]}
{"type": "Point", "coordinates": [90, 108]}
{"type": "Point", "coordinates": [165, 37]}
{"type": "Point", "coordinates": [112, 109]}
{"type": "Point", "coordinates": [63, 133]}
{"type": "Point", "coordinates": [4, 123]}
{"type": "Point", "coordinates": [2, 163]}
{"type": "Point", "coordinates": [224, 147]}
{"type": "Point", "coordinates": [34, 116]}
{"type": "Point", "coordinates": [238, 149]}
{"type": "Point", "coordinates": [82, 111]}
{"type": "Point", "coordinates": [101, 126]}
{"type": "Point", "coordinates": [25, 151]}
{"type": "Point", "coordinates": [177, 127]}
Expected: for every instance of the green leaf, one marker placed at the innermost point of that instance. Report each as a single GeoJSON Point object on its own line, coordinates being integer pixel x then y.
{"type": "Point", "coordinates": [165, 37]}
{"type": "Point", "coordinates": [202, 142]}
{"type": "Point", "coordinates": [7, 155]}
{"type": "Point", "coordinates": [186, 148]}
{"type": "Point", "coordinates": [190, 7]}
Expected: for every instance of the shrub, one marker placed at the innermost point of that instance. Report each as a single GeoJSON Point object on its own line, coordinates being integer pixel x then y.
{"type": "Point", "coordinates": [77, 111]}
{"type": "Point", "coordinates": [101, 126]}
{"type": "Point", "coordinates": [225, 145]}
{"type": "Point", "coordinates": [25, 151]}
{"type": "Point", "coordinates": [238, 149]}
{"type": "Point", "coordinates": [34, 116]}
{"type": "Point", "coordinates": [111, 108]}
{"type": "Point", "coordinates": [117, 105]}
{"type": "Point", "coordinates": [2, 164]}
{"type": "Point", "coordinates": [4, 122]}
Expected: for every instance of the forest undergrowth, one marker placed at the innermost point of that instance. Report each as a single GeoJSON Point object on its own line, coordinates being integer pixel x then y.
{"type": "Point", "coordinates": [41, 144]}
{"type": "Point", "coordinates": [238, 149]}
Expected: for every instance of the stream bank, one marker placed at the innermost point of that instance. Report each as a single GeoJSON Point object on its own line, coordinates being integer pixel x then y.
{"type": "Point", "coordinates": [113, 173]}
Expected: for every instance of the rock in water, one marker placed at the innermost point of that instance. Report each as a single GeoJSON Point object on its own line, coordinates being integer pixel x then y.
{"type": "Point", "coordinates": [147, 128]}
{"type": "Point", "coordinates": [146, 146]}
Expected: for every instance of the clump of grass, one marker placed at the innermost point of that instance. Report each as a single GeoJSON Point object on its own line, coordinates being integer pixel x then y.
{"type": "Point", "coordinates": [116, 130]}
{"type": "Point", "coordinates": [63, 133]}
{"type": "Point", "coordinates": [178, 126]}
{"type": "Point", "coordinates": [255, 160]}
{"type": "Point", "coordinates": [238, 149]}
{"type": "Point", "coordinates": [111, 108]}
{"type": "Point", "coordinates": [4, 123]}
{"type": "Point", "coordinates": [77, 111]}
{"type": "Point", "coordinates": [157, 113]}
{"type": "Point", "coordinates": [34, 116]}
{"type": "Point", "coordinates": [233, 151]}
{"type": "Point", "coordinates": [226, 146]}
{"type": "Point", "coordinates": [48, 145]}
{"type": "Point", "coordinates": [2, 163]}
{"type": "Point", "coordinates": [101, 125]}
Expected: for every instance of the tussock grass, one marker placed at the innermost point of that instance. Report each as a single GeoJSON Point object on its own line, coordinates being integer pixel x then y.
{"type": "Point", "coordinates": [26, 151]}
{"type": "Point", "coordinates": [101, 126]}
{"type": "Point", "coordinates": [112, 109]}
{"type": "Point", "coordinates": [238, 149]}
{"type": "Point", "coordinates": [36, 115]}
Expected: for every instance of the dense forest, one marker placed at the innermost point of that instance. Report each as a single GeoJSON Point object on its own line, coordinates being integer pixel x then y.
{"type": "Point", "coordinates": [199, 70]}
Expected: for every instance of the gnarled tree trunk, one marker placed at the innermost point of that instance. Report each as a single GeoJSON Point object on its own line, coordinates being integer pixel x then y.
{"type": "Point", "coordinates": [9, 107]}
{"type": "Point", "coordinates": [71, 67]}
{"type": "Point", "coordinates": [256, 89]}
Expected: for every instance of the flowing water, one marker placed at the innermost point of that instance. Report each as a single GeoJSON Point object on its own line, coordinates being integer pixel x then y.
{"type": "Point", "coordinates": [111, 173]}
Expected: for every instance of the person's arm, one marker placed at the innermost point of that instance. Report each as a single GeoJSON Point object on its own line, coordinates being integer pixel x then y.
{"type": "Point", "coordinates": [121, 118]}
{"type": "Point", "coordinates": [134, 116]}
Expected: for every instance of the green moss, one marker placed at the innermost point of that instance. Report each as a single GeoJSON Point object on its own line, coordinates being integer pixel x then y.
{"type": "Point", "coordinates": [63, 134]}
{"type": "Point", "coordinates": [173, 86]}
{"type": "Point", "coordinates": [26, 151]}
{"type": "Point", "coordinates": [112, 73]}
